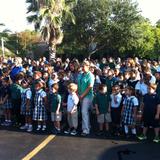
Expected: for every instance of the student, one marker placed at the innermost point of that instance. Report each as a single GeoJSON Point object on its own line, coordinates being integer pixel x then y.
{"type": "Point", "coordinates": [115, 108]}
{"type": "Point", "coordinates": [55, 106]}
{"type": "Point", "coordinates": [6, 101]}
{"type": "Point", "coordinates": [26, 109]}
{"type": "Point", "coordinates": [151, 113]}
{"type": "Point", "coordinates": [72, 112]}
{"type": "Point", "coordinates": [16, 90]}
{"type": "Point", "coordinates": [129, 111]}
{"type": "Point", "coordinates": [101, 101]}
{"type": "Point", "coordinates": [40, 104]}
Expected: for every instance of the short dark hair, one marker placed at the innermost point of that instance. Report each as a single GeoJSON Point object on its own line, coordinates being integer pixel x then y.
{"type": "Point", "coordinates": [101, 87]}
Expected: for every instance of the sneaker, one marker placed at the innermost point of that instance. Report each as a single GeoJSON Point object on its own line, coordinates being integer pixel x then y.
{"type": "Point", "coordinates": [84, 134]}
{"type": "Point", "coordinates": [4, 123]}
{"type": "Point", "coordinates": [30, 128]}
{"type": "Point", "coordinates": [74, 132]}
{"type": "Point", "coordinates": [58, 131]}
{"type": "Point", "coordinates": [142, 137]}
{"type": "Point", "coordinates": [44, 128]}
{"type": "Point", "coordinates": [67, 131]}
{"type": "Point", "coordinates": [156, 140]}
{"type": "Point", "coordinates": [38, 128]}
{"type": "Point", "coordinates": [24, 127]}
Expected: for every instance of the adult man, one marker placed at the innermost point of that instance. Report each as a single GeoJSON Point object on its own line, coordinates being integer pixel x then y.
{"type": "Point", "coordinates": [85, 90]}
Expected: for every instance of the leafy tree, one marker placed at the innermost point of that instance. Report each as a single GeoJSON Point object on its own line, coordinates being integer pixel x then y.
{"type": "Point", "coordinates": [48, 15]}
{"type": "Point", "coordinates": [108, 25]}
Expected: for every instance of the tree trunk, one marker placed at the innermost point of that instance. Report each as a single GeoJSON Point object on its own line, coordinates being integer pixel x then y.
{"type": "Point", "coordinates": [52, 52]}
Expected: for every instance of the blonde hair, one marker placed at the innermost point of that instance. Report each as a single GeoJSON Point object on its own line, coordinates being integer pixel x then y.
{"type": "Point", "coordinates": [72, 87]}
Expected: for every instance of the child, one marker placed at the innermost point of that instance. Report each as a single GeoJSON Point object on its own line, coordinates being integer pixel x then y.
{"type": "Point", "coordinates": [115, 108]}
{"type": "Point", "coordinates": [6, 100]}
{"type": "Point", "coordinates": [55, 106]}
{"type": "Point", "coordinates": [16, 90]}
{"type": "Point", "coordinates": [26, 105]}
{"type": "Point", "coordinates": [129, 111]}
{"type": "Point", "coordinates": [40, 103]}
{"type": "Point", "coordinates": [151, 112]}
{"type": "Point", "coordinates": [101, 101]}
{"type": "Point", "coordinates": [72, 112]}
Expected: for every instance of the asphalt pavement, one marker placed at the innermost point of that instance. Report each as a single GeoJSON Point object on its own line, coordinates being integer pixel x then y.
{"type": "Point", "coordinates": [15, 145]}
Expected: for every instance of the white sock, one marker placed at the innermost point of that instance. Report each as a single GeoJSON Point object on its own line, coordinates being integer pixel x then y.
{"type": "Point", "coordinates": [44, 126]}
{"type": "Point", "coordinates": [26, 124]}
{"type": "Point", "coordinates": [133, 131]}
{"type": "Point", "coordinates": [39, 126]}
{"type": "Point", "coordinates": [126, 129]}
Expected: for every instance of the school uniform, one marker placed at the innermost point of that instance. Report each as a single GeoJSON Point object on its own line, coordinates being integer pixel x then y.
{"type": "Point", "coordinates": [26, 94]}
{"type": "Point", "coordinates": [116, 108]}
{"type": "Point", "coordinates": [39, 112]}
{"type": "Point", "coordinates": [151, 102]}
{"type": "Point", "coordinates": [72, 118]}
{"type": "Point", "coordinates": [16, 90]}
{"type": "Point", "coordinates": [6, 91]}
{"type": "Point", "coordinates": [54, 100]}
{"type": "Point", "coordinates": [102, 101]}
{"type": "Point", "coordinates": [129, 103]}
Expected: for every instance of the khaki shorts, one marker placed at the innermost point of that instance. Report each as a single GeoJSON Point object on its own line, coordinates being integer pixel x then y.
{"type": "Point", "coordinates": [56, 117]}
{"type": "Point", "coordinates": [104, 118]}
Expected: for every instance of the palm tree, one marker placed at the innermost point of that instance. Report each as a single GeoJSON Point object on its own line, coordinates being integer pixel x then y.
{"type": "Point", "coordinates": [48, 17]}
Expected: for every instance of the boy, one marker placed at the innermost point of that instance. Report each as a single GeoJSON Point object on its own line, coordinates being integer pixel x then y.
{"type": "Point", "coordinates": [151, 113]}
{"type": "Point", "coordinates": [115, 108]}
{"type": "Point", "coordinates": [72, 113]}
{"type": "Point", "coordinates": [55, 106]}
{"type": "Point", "coordinates": [102, 105]}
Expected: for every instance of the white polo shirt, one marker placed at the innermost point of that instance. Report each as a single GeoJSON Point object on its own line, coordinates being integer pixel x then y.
{"type": "Point", "coordinates": [118, 98]}
{"type": "Point", "coordinates": [142, 87]}
{"type": "Point", "coordinates": [72, 101]}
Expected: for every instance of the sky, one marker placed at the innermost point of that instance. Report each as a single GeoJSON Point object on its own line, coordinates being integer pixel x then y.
{"type": "Point", "coordinates": [13, 13]}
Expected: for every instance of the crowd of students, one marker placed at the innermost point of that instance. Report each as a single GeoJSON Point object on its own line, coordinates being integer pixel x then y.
{"type": "Point", "coordinates": [123, 93]}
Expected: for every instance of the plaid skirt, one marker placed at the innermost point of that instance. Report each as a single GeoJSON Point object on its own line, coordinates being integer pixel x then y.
{"type": "Point", "coordinates": [8, 105]}
{"type": "Point", "coordinates": [39, 113]}
{"type": "Point", "coordinates": [127, 118]}
{"type": "Point", "coordinates": [25, 112]}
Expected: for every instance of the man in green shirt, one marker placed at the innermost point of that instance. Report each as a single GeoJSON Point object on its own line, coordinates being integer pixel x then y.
{"type": "Point", "coordinates": [85, 91]}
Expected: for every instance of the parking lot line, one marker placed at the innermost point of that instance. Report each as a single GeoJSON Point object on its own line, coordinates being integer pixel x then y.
{"type": "Point", "coordinates": [39, 147]}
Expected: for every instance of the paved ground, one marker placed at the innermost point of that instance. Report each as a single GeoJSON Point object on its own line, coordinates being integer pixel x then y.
{"type": "Point", "coordinates": [15, 145]}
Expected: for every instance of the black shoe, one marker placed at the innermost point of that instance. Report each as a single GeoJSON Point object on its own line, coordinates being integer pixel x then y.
{"type": "Point", "coordinates": [127, 136]}
{"type": "Point", "coordinates": [100, 133]}
{"type": "Point", "coordinates": [107, 134]}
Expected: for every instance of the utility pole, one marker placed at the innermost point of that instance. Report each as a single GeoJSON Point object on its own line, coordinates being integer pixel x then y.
{"type": "Point", "coordinates": [2, 44]}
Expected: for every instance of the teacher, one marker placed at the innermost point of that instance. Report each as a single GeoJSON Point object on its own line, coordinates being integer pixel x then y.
{"type": "Point", "coordinates": [85, 91]}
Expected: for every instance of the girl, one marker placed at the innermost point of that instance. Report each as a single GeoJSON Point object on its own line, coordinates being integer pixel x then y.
{"type": "Point", "coordinates": [6, 100]}
{"type": "Point", "coordinates": [40, 103]}
{"type": "Point", "coordinates": [26, 110]}
{"type": "Point", "coordinates": [129, 111]}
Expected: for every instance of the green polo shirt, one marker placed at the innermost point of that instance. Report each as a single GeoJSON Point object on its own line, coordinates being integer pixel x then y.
{"type": "Point", "coordinates": [16, 91]}
{"type": "Point", "coordinates": [54, 100]}
{"type": "Point", "coordinates": [84, 80]}
{"type": "Point", "coordinates": [102, 100]}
